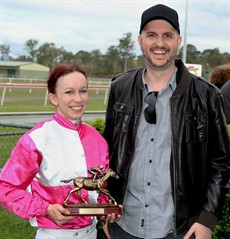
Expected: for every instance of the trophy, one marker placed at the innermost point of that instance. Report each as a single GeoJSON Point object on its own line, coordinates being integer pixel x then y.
{"type": "Point", "coordinates": [95, 182]}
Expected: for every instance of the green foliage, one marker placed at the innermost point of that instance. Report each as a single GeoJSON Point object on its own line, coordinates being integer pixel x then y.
{"type": "Point", "coordinates": [222, 230]}
{"type": "Point", "coordinates": [98, 124]}
{"type": "Point", "coordinates": [100, 232]}
{"type": "Point", "coordinates": [117, 58]}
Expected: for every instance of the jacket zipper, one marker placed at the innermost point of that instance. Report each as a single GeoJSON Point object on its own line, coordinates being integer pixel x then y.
{"type": "Point", "coordinates": [174, 180]}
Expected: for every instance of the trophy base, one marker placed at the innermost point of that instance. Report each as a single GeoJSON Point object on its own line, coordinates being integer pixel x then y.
{"type": "Point", "coordinates": [92, 209]}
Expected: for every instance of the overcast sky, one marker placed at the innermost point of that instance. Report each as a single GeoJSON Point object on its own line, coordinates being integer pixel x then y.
{"type": "Point", "coordinates": [92, 24]}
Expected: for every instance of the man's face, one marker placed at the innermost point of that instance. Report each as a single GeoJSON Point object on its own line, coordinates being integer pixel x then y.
{"type": "Point", "coordinates": [159, 43]}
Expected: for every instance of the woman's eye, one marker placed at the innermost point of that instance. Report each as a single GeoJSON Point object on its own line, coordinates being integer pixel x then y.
{"type": "Point", "coordinates": [83, 91]}
{"type": "Point", "coordinates": [69, 92]}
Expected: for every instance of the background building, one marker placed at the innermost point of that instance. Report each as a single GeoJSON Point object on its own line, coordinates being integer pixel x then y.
{"type": "Point", "coordinates": [21, 69]}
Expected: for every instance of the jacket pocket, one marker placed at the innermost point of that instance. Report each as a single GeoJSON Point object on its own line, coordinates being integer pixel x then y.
{"type": "Point", "coordinates": [123, 114]}
{"type": "Point", "coordinates": [196, 124]}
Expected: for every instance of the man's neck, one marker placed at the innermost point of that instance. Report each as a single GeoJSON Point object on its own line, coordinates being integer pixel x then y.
{"type": "Point", "coordinates": [157, 79]}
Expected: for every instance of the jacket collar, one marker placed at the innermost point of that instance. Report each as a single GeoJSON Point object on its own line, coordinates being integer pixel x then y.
{"type": "Point", "coordinates": [183, 77]}
{"type": "Point", "coordinates": [67, 123]}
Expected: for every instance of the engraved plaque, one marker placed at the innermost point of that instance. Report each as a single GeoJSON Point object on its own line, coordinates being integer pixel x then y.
{"type": "Point", "coordinates": [94, 183]}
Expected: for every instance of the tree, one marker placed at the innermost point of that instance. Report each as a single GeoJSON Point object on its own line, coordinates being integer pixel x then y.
{"type": "Point", "coordinates": [111, 60]}
{"type": "Point", "coordinates": [47, 55]}
{"type": "Point", "coordinates": [31, 48]}
{"type": "Point", "coordinates": [96, 62]}
{"type": "Point", "coordinates": [214, 57]}
{"type": "Point", "coordinates": [4, 51]}
{"type": "Point", "coordinates": [193, 55]}
{"type": "Point", "coordinates": [83, 58]}
{"type": "Point", "coordinates": [63, 56]}
{"type": "Point", "coordinates": [126, 49]}
{"type": "Point", "coordinates": [118, 58]}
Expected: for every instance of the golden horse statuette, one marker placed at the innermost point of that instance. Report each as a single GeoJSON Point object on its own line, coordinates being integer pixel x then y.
{"type": "Point", "coordinates": [95, 183]}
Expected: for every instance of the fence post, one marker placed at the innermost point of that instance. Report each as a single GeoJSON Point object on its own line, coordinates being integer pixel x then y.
{"type": "Point", "coordinates": [46, 98]}
{"type": "Point", "coordinates": [3, 95]}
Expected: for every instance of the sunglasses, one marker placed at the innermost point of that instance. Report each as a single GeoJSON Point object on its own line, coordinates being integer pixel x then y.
{"type": "Point", "coordinates": [150, 111]}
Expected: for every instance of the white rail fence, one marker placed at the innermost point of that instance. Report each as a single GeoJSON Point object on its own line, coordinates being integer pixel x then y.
{"type": "Point", "coordinates": [11, 85]}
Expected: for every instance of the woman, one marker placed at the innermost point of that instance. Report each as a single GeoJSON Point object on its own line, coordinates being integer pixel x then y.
{"type": "Point", "coordinates": [53, 150]}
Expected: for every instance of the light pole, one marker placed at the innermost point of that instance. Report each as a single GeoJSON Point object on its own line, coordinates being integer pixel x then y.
{"type": "Point", "coordinates": [184, 56]}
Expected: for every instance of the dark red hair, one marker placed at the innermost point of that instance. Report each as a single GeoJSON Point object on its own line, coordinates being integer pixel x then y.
{"type": "Point", "coordinates": [62, 70]}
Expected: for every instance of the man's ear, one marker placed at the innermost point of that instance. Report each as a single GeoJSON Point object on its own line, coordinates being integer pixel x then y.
{"type": "Point", "coordinates": [52, 98]}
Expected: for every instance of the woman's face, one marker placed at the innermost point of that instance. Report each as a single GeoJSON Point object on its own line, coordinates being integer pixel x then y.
{"type": "Point", "coordinates": [71, 95]}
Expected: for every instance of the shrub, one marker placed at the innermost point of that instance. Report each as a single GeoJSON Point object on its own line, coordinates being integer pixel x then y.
{"type": "Point", "coordinates": [222, 229]}
{"type": "Point", "coordinates": [98, 123]}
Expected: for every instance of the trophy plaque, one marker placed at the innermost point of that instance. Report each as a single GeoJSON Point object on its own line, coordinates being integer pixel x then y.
{"type": "Point", "coordinates": [95, 182]}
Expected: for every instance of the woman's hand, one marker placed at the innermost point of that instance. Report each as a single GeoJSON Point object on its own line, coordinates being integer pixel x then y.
{"type": "Point", "coordinates": [59, 214]}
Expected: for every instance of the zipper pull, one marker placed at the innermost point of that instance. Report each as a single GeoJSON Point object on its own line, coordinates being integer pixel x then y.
{"type": "Point", "coordinates": [142, 222]}
{"type": "Point", "coordinates": [174, 233]}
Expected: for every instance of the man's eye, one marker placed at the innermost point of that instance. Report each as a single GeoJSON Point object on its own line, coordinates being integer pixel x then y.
{"type": "Point", "coordinates": [168, 35]}
{"type": "Point", "coordinates": [150, 35]}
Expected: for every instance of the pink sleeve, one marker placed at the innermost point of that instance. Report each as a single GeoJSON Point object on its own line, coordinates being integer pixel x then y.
{"type": "Point", "coordinates": [16, 176]}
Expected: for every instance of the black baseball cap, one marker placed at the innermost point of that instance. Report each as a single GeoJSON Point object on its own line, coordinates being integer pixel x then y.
{"type": "Point", "coordinates": [160, 11]}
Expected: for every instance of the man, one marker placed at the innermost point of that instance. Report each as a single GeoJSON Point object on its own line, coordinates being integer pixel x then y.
{"type": "Point", "coordinates": [168, 141]}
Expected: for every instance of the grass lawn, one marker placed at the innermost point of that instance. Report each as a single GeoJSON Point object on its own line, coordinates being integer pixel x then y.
{"type": "Point", "coordinates": [14, 227]}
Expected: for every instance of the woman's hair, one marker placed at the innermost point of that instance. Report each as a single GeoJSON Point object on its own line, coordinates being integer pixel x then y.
{"type": "Point", "coordinates": [62, 70]}
{"type": "Point", "coordinates": [220, 75]}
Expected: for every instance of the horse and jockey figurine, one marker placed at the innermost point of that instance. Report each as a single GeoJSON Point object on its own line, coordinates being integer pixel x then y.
{"type": "Point", "coordinates": [96, 182]}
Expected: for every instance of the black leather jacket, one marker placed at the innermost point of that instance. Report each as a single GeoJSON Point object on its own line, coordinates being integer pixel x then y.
{"type": "Point", "coordinates": [200, 158]}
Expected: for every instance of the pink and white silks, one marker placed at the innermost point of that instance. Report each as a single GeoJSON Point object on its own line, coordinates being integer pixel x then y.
{"type": "Point", "coordinates": [51, 151]}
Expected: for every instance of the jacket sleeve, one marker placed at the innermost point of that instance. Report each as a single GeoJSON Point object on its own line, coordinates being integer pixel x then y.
{"type": "Point", "coordinates": [16, 176]}
{"type": "Point", "coordinates": [219, 161]}
{"type": "Point", "coordinates": [109, 120]}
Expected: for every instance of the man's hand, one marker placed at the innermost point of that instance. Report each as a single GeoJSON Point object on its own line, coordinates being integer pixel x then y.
{"type": "Point", "coordinates": [58, 214]}
{"type": "Point", "coordinates": [110, 218]}
{"type": "Point", "coordinates": [200, 231]}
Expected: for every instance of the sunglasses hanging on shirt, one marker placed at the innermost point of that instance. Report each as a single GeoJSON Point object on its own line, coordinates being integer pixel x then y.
{"type": "Point", "coordinates": [150, 111]}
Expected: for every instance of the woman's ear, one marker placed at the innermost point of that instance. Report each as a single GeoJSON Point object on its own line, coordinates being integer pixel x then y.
{"type": "Point", "coordinates": [52, 98]}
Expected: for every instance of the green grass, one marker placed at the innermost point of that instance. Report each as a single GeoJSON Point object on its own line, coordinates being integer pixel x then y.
{"type": "Point", "coordinates": [14, 227]}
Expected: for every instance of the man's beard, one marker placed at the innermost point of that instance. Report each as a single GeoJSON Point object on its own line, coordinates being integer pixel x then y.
{"type": "Point", "coordinates": [168, 62]}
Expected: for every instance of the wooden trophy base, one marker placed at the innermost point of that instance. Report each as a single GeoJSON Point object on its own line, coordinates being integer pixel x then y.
{"type": "Point", "coordinates": [93, 209]}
